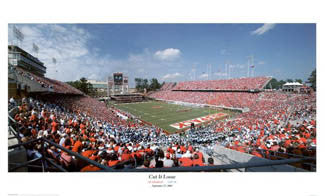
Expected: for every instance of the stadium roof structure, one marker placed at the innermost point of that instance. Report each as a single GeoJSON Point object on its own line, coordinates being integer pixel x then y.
{"type": "Point", "coordinates": [292, 84]}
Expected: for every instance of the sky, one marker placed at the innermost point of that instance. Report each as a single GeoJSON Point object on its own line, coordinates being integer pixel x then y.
{"type": "Point", "coordinates": [171, 52]}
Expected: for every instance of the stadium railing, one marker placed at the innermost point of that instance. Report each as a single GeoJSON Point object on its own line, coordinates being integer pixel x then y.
{"type": "Point", "coordinates": [172, 169]}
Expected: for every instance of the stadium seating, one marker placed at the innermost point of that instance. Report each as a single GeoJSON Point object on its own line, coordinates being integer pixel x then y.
{"type": "Point", "coordinates": [231, 84]}
{"type": "Point", "coordinates": [167, 86]}
{"type": "Point", "coordinates": [276, 122]}
{"type": "Point", "coordinates": [55, 85]}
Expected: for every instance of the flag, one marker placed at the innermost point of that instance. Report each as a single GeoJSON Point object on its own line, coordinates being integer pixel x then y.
{"type": "Point", "coordinates": [252, 66]}
{"type": "Point", "coordinates": [54, 60]}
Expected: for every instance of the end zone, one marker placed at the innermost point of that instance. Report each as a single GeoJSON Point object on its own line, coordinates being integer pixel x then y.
{"type": "Point", "coordinates": [199, 120]}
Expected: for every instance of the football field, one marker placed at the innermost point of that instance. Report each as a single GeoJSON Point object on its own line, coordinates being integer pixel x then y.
{"type": "Point", "coordinates": [169, 116]}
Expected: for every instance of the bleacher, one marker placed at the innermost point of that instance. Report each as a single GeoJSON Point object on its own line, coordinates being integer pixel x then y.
{"type": "Point", "coordinates": [266, 108]}
{"type": "Point", "coordinates": [238, 84]}
{"type": "Point", "coordinates": [38, 84]}
{"type": "Point", "coordinates": [232, 93]}
{"type": "Point", "coordinates": [168, 86]}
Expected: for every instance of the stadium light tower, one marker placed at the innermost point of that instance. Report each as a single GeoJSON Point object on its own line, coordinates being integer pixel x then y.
{"type": "Point", "coordinates": [226, 73]}
{"type": "Point", "coordinates": [209, 70]}
{"type": "Point", "coordinates": [253, 66]}
{"type": "Point", "coordinates": [18, 35]}
{"type": "Point", "coordinates": [250, 64]}
{"type": "Point", "coordinates": [35, 49]}
{"type": "Point", "coordinates": [54, 62]}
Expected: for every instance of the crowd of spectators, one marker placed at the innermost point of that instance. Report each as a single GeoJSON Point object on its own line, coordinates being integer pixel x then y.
{"type": "Point", "coordinates": [275, 123]}
{"type": "Point", "coordinates": [275, 127]}
{"type": "Point", "coordinates": [223, 99]}
{"type": "Point", "coordinates": [62, 87]}
{"type": "Point", "coordinates": [55, 85]}
{"type": "Point", "coordinates": [108, 142]}
{"type": "Point", "coordinates": [229, 84]}
{"type": "Point", "coordinates": [167, 86]}
{"type": "Point", "coordinates": [81, 127]}
{"type": "Point", "coordinates": [288, 126]}
{"type": "Point", "coordinates": [31, 77]}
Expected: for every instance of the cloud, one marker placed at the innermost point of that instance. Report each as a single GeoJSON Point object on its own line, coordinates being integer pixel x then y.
{"type": "Point", "coordinates": [220, 74]}
{"type": "Point", "coordinates": [224, 52]}
{"type": "Point", "coordinates": [59, 28]}
{"type": "Point", "coordinates": [168, 54]}
{"type": "Point", "coordinates": [66, 43]}
{"type": "Point", "coordinates": [204, 75]}
{"type": "Point", "coordinates": [263, 29]}
{"type": "Point", "coordinates": [237, 66]}
{"type": "Point", "coordinates": [77, 57]}
{"type": "Point", "coordinates": [171, 76]}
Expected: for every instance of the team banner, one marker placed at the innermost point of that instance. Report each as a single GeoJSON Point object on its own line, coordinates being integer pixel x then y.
{"type": "Point", "coordinates": [187, 123]}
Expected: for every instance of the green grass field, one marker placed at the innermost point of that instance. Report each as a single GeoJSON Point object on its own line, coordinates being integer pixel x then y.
{"type": "Point", "coordinates": [163, 114]}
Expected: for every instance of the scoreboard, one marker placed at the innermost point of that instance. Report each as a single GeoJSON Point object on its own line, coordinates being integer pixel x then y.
{"type": "Point", "coordinates": [118, 78]}
{"type": "Point", "coordinates": [117, 84]}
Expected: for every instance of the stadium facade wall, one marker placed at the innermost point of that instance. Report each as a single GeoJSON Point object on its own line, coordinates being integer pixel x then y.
{"type": "Point", "coordinates": [17, 91]}
{"type": "Point", "coordinates": [228, 156]}
{"type": "Point", "coordinates": [12, 90]}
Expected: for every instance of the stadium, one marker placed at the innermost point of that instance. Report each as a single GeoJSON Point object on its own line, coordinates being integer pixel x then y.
{"type": "Point", "coordinates": [225, 125]}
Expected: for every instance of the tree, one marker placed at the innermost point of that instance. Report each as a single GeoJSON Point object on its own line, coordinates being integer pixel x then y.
{"type": "Point", "coordinates": [138, 84]}
{"type": "Point", "coordinates": [281, 83]}
{"type": "Point", "coordinates": [83, 86]}
{"type": "Point", "coordinates": [154, 84]}
{"type": "Point", "coordinates": [273, 84]}
{"type": "Point", "coordinates": [299, 80]}
{"type": "Point", "coordinates": [312, 80]}
{"type": "Point", "coordinates": [145, 84]}
{"type": "Point", "coordinates": [141, 84]}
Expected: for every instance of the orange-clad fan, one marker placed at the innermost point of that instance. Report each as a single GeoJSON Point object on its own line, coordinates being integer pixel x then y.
{"type": "Point", "coordinates": [185, 162]}
{"type": "Point", "coordinates": [275, 123]}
